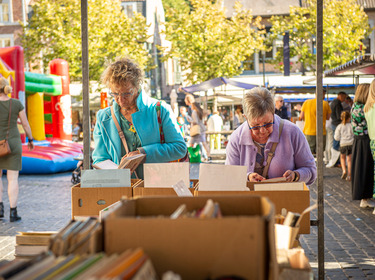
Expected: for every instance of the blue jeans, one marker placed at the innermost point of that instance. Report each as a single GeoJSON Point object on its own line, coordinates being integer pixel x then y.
{"type": "Point", "coordinates": [336, 144]}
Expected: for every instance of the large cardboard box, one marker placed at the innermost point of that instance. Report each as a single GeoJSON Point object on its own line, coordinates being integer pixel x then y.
{"type": "Point", "coordinates": [89, 201]}
{"type": "Point", "coordinates": [140, 191]}
{"type": "Point", "coordinates": [241, 243]}
{"type": "Point", "coordinates": [295, 201]}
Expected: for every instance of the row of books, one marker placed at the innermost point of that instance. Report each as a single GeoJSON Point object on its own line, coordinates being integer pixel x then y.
{"type": "Point", "coordinates": [80, 236]}
{"type": "Point", "coordinates": [132, 264]}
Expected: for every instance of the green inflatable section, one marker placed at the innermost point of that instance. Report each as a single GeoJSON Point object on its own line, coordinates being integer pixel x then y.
{"type": "Point", "coordinates": [48, 84]}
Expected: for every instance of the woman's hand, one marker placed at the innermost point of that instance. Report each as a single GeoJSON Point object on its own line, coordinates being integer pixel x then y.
{"type": "Point", "coordinates": [137, 152]}
{"type": "Point", "coordinates": [255, 177]}
{"type": "Point", "coordinates": [289, 175]}
{"type": "Point", "coordinates": [30, 145]}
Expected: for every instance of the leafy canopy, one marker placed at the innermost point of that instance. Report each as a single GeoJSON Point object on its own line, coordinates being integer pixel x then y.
{"type": "Point", "coordinates": [54, 31]}
{"type": "Point", "coordinates": [208, 44]}
{"type": "Point", "coordinates": [345, 25]}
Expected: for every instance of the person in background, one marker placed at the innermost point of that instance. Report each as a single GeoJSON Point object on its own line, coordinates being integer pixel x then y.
{"type": "Point", "coordinates": [189, 100]}
{"type": "Point", "coordinates": [337, 108]}
{"type": "Point", "coordinates": [184, 114]}
{"type": "Point", "coordinates": [308, 114]}
{"type": "Point", "coordinates": [13, 161]}
{"type": "Point", "coordinates": [251, 143]}
{"type": "Point", "coordinates": [215, 124]}
{"type": "Point", "coordinates": [344, 134]}
{"type": "Point", "coordinates": [362, 161]}
{"type": "Point", "coordinates": [197, 119]}
{"type": "Point", "coordinates": [137, 115]}
{"type": "Point", "coordinates": [280, 109]}
{"type": "Point", "coordinates": [183, 127]}
{"type": "Point", "coordinates": [369, 110]}
{"type": "Point", "coordinates": [347, 104]}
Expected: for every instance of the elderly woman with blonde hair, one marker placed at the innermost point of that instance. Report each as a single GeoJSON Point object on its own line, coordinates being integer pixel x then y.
{"type": "Point", "coordinates": [148, 125]}
{"type": "Point", "coordinates": [269, 146]}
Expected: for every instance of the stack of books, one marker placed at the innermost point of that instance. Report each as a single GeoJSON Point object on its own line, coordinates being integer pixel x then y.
{"type": "Point", "coordinates": [32, 243]}
{"type": "Point", "coordinates": [132, 264]}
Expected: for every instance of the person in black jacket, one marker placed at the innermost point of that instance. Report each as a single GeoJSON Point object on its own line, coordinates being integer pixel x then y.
{"type": "Point", "coordinates": [337, 108]}
{"type": "Point", "coordinates": [280, 109]}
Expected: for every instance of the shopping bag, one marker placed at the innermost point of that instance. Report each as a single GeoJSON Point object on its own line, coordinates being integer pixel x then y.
{"type": "Point", "coordinates": [195, 153]}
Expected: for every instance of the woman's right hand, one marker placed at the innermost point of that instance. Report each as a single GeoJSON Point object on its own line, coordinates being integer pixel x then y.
{"type": "Point", "coordinates": [255, 177]}
{"type": "Point", "coordinates": [30, 145]}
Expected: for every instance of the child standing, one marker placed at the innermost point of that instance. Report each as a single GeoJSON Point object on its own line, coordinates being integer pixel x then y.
{"type": "Point", "coordinates": [344, 134]}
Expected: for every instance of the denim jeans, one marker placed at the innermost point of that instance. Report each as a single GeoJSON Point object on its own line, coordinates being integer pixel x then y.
{"type": "Point", "coordinates": [336, 144]}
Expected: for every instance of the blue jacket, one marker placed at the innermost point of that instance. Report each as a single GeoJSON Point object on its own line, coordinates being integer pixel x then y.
{"type": "Point", "coordinates": [108, 143]}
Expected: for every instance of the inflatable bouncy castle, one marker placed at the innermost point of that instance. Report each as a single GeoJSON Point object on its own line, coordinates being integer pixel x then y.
{"type": "Point", "coordinates": [48, 106]}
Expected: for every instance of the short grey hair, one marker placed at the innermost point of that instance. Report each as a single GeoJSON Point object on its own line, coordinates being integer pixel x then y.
{"type": "Point", "coordinates": [257, 102]}
{"type": "Point", "coordinates": [278, 97]}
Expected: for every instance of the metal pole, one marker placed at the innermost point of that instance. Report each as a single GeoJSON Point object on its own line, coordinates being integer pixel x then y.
{"type": "Point", "coordinates": [319, 111]}
{"type": "Point", "coordinates": [85, 86]}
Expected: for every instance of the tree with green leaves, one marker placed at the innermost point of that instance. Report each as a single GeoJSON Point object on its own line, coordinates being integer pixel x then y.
{"type": "Point", "coordinates": [345, 26]}
{"type": "Point", "coordinates": [210, 45]}
{"type": "Point", "coordinates": [54, 31]}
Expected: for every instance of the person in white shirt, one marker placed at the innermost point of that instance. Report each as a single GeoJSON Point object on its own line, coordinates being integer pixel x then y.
{"type": "Point", "coordinates": [344, 134]}
{"type": "Point", "coordinates": [215, 123]}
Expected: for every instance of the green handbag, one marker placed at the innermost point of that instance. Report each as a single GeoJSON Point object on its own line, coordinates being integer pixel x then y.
{"type": "Point", "coordinates": [195, 153]}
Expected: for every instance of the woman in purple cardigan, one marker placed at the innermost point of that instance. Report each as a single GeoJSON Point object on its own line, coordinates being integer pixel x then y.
{"type": "Point", "coordinates": [251, 143]}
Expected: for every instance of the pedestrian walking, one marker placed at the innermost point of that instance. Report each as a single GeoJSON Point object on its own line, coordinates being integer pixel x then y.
{"type": "Point", "coordinates": [362, 161]}
{"type": "Point", "coordinates": [10, 110]}
{"type": "Point", "coordinates": [199, 138]}
{"type": "Point", "coordinates": [344, 134]}
{"type": "Point", "coordinates": [369, 110]}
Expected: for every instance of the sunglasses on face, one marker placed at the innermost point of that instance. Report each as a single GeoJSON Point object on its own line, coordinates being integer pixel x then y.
{"type": "Point", "coordinates": [266, 126]}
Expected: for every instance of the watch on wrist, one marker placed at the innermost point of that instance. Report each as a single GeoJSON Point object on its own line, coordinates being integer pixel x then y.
{"type": "Point", "coordinates": [296, 176]}
{"type": "Point", "coordinates": [30, 140]}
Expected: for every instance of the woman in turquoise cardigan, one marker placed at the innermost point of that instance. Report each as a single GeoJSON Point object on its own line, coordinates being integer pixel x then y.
{"type": "Point", "coordinates": [137, 116]}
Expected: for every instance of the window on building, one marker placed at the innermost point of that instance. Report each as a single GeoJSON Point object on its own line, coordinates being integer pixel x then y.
{"type": "Point", "coordinates": [6, 42]}
{"type": "Point", "coordinates": [130, 8]}
{"type": "Point", "coordinates": [367, 45]}
{"type": "Point", "coordinates": [248, 63]}
{"type": "Point", "coordinates": [4, 11]}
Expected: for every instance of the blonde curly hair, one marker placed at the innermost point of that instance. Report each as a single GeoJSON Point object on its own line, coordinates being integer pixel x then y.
{"type": "Point", "coordinates": [121, 72]}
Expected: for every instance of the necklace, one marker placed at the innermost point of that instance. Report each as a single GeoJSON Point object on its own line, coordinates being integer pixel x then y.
{"type": "Point", "coordinates": [126, 110]}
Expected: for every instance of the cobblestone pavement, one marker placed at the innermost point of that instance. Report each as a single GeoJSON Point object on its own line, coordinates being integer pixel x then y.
{"type": "Point", "coordinates": [45, 204]}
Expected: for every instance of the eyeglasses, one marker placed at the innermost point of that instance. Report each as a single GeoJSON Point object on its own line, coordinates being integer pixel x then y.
{"type": "Point", "coordinates": [266, 126]}
{"type": "Point", "coordinates": [124, 94]}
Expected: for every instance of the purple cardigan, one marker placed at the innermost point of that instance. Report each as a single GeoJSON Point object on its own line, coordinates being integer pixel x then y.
{"type": "Point", "coordinates": [292, 152]}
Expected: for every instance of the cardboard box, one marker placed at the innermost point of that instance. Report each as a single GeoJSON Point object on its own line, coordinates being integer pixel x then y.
{"type": "Point", "coordinates": [242, 243]}
{"type": "Point", "coordinates": [140, 191]}
{"type": "Point", "coordinates": [89, 201]}
{"type": "Point", "coordinates": [295, 201]}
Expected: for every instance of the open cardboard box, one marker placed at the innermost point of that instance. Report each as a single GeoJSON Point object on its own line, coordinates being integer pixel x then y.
{"type": "Point", "coordinates": [140, 191]}
{"type": "Point", "coordinates": [240, 243]}
{"type": "Point", "coordinates": [286, 235]}
{"type": "Point", "coordinates": [293, 200]}
{"type": "Point", "coordinates": [89, 201]}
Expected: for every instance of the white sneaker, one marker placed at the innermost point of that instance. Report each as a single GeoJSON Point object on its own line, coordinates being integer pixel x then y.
{"type": "Point", "coordinates": [367, 203]}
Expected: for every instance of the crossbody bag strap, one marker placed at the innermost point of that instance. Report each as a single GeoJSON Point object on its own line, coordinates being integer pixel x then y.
{"type": "Point", "coordinates": [10, 110]}
{"type": "Point", "coordinates": [121, 134]}
{"type": "Point", "coordinates": [271, 153]}
{"type": "Point", "coordinates": [158, 113]}
{"type": "Point", "coordinates": [119, 130]}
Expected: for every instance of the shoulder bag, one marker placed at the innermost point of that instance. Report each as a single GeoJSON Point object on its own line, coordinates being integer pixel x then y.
{"type": "Point", "coordinates": [4, 145]}
{"type": "Point", "coordinates": [272, 152]}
